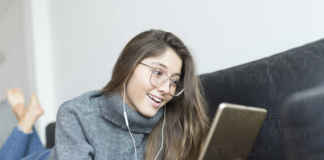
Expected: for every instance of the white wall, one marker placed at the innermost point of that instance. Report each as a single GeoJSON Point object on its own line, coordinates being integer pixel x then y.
{"type": "Point", "coordinates": [14, 68]}
{"type": "Point", "coordinates": [89, 35]}
{"type": "Point", "coordinates": [39, 41]}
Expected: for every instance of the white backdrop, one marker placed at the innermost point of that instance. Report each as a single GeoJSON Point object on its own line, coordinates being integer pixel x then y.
{"type": "Point", "coordinates": [14, 66]}
{"type": "Point", "coordinates": [89, 35]}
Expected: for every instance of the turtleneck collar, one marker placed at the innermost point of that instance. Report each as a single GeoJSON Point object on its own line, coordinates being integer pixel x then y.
{"type": "Point", "coordinates": [111, 107]}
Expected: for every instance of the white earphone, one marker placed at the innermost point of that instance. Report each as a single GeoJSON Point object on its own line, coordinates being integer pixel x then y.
{"type": "Point", "coordinates": [130, 133]}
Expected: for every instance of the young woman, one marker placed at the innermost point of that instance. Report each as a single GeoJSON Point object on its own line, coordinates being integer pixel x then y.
{"type": "Point", "coordinates": [152, 108]}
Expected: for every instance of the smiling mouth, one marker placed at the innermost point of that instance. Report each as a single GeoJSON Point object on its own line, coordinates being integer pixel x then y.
{"type": "Point", "coordinates": [156, 101]}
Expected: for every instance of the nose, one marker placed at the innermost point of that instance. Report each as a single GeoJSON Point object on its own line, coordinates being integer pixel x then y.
{"type": "Point", "coordinates": [165, 86]}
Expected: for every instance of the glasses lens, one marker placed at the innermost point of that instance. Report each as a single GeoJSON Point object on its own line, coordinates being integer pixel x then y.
{"type": "Point", "coordinates": [158, 78]}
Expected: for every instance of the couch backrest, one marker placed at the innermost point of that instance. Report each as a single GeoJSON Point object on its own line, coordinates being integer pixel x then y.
{"type": "Point", "coordinates": [267, 83]}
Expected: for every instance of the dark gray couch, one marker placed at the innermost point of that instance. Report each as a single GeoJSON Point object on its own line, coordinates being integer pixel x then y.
{"type": "Point", "coordinates": [269, 83]}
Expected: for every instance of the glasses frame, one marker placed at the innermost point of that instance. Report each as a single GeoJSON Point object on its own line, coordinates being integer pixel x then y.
{"type": "Point", "coordinates": [168, 78]}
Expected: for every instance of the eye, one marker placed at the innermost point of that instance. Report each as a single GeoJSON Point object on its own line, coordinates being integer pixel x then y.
{"type": "Point", "coordinates": [175, 82]}
{"type": "Point", "coordinates": [157, 72]}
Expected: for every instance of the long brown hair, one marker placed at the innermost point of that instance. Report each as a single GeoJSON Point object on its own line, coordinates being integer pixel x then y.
{"type": "Point", "coordinates": [186, 119]}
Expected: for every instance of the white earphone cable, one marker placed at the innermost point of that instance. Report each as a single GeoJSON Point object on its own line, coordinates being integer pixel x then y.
{"type": "Point", "coordinates": [162, 135]}
{"type": "Point", "coordinates": [130, 133]}
{"type": "Point", "coordinates": [126, 121]}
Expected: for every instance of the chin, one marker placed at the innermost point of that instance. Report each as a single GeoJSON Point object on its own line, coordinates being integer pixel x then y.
{"type": "Point", "coordinates": [148, 113]}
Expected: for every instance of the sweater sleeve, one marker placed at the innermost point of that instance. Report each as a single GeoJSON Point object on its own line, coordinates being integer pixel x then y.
{"type": "Point", "coordinates": [70, 138]}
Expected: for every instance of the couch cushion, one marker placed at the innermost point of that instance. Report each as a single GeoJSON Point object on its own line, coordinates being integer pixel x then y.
{"type": "Point", "coordinates": [302, 124]}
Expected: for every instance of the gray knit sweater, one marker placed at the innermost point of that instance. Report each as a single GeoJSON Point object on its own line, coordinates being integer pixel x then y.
{"type": "Point", "coordinates": [92, 127]}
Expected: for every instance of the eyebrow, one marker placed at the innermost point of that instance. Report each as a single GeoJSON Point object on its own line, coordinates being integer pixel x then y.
{"type": "Point", "coordinates": [165, 67]}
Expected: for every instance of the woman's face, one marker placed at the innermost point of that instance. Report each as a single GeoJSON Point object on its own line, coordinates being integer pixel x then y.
{"type": "Point", "coordinates": [145, 97]}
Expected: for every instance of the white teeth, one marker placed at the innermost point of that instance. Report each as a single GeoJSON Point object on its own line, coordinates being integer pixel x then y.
{"type": "Point", "coordinates": [155, 99]}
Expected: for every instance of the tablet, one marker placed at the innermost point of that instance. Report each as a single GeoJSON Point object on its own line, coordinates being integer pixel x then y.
{"type": "Point", "coordinates": [232, 132]}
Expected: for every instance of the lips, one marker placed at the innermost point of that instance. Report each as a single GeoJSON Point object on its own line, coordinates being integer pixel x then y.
{"type": "Point", "coordinates": [155, 100]}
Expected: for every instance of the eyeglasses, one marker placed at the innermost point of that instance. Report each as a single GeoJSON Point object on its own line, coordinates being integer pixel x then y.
{"type": "Point", "coordinates": [158, 77]}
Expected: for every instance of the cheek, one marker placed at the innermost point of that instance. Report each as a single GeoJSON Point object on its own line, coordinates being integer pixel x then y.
{"type": "Point", "coordinates": [140, 83]}
{"type": "Point", "coordinates": [137, 88]}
